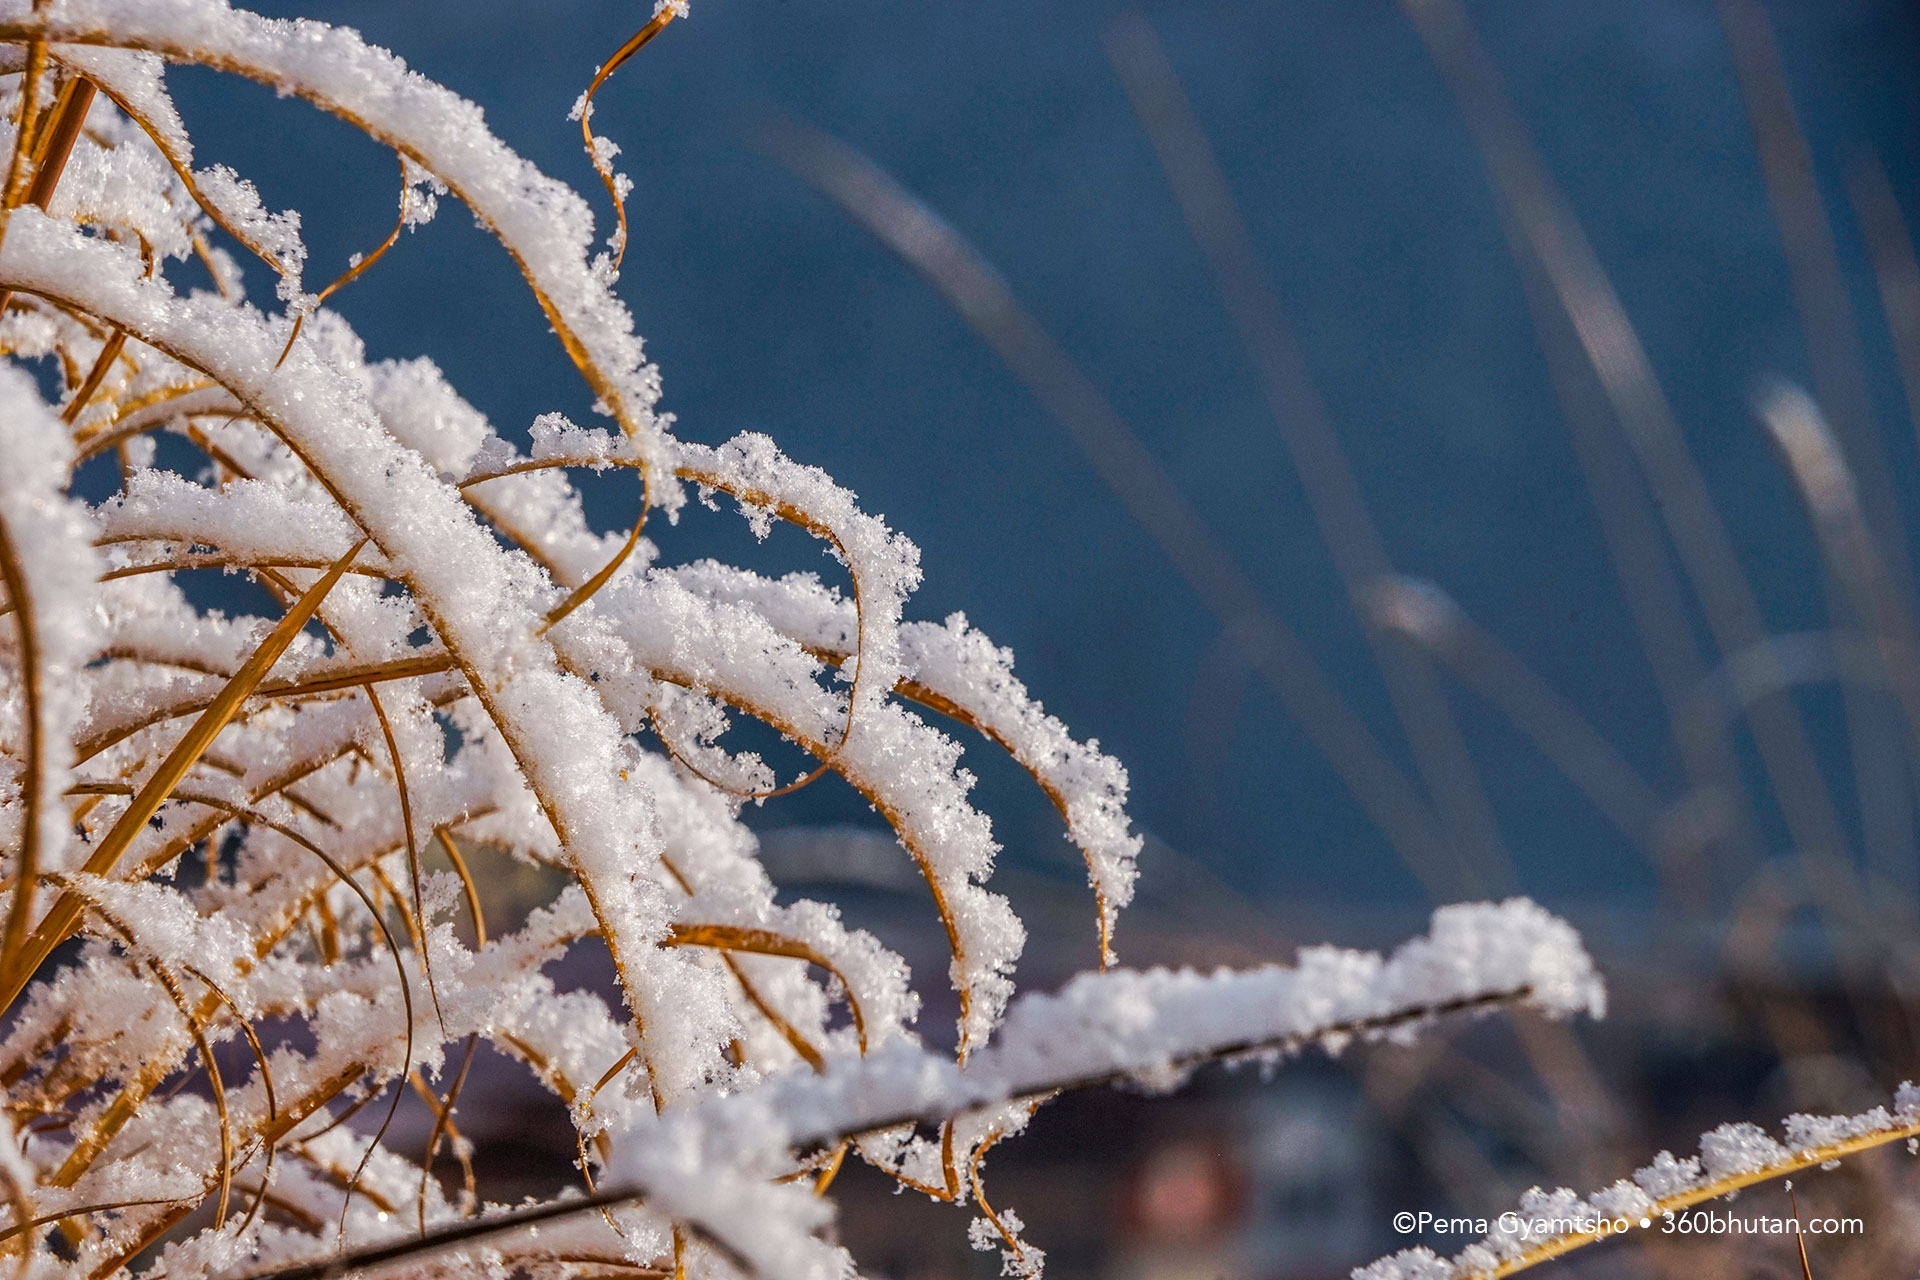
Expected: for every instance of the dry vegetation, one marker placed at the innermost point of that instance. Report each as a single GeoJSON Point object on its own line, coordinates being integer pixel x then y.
{"type": "Point", "coordinates": [227, 955]}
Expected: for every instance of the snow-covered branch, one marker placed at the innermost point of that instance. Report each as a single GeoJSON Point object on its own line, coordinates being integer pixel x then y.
{"type": "Point", "coordinates": [1548, 1224]}
{"type": "Point", "coordinates": [715, 1166]}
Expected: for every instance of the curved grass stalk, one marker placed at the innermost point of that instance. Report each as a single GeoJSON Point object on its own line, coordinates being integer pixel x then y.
{"type": "Point", "coordinates": [354, 272]}
{"type": "Point", "coordinates": [588, 589]}
{"type": "Point", "coordinates": [705, 472]}
{"type": "Point", "coordinates": [329, 681]}
{"type": "Point", "coordinates": [140, 414]}
{"type": "Point", "coordinates": [443, 1127]}
{"type": "Point", "coordinates": [418, 923]}
{"type": "Point", "coordinates": [948, 704]}
{"type": "Point", "coordinates": [178, 563]}
{"type": "Point", "coordinates": [61, 1215]}
{"type": "Point", "coordinates": [1020, 1258]}
{"type": "Point", "coordinates": [153, 113]}
{"type": "Point", "coordinates": [634, 44]}
{"type": "Point", "coordinates": [102, 365]}
{"type": "Point", "coordinates": [765, 942]}
{"type": "Point", "coordinates": [266, 1078]}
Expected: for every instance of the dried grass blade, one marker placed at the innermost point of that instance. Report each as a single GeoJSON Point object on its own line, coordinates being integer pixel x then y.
{"type": "Point", "coordinates": [585, 591]}
{"type": "Point", "coordinates": [61, 1215]}
{"type": "Point", "coordinates": [831, 1169]}
{"type": "Point", "coordinates": [36, 69]}
{"type": "Point", "coordinates": [633, 45]}
{"type": "Point", "coordinates": [23, 1210]}
{"type": "Point", "coordinates": [417, 908]}
{"type": "Point", "coordinates": [266, 1080]}
{"type": "Point", "coordinates": [765, 942]}
{"type": "Point", "coordinates": [27, 867]}
{"type": "Point", "coordinates": [334, 681]}
{"type": "Point", "coordinates": [60, 920]}
{"type": "Point", "coordinates": [443, 1127]}
{"type": "Point", "coordinates": [352, 273]}
{"type": "Point", "coordinates": [53, 151]}
{"type": "Point", "coordinates": [467, 886]}
{"type": "Point", "coordinates": [95, 376]}
{"type": "Point", "coordinates": [979, 1188]}
{"type": "Point", "coordinates": [1799, 1236]}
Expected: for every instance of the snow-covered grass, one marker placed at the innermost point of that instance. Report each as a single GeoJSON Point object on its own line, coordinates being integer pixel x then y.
{"type": "Point", "coordinates": [223, 832]}
{"type": "Point", "coordinates": [229, 824]}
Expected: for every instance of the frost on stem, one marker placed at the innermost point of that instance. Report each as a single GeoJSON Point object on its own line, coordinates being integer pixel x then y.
{"type": "Point", "coordinates": [234, 823]}
{"type": "Point", "coordinates": [1731, 1157]}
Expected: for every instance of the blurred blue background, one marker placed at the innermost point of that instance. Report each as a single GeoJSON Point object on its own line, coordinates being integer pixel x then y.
{"type": "Point", "coordinates": [768, 309]}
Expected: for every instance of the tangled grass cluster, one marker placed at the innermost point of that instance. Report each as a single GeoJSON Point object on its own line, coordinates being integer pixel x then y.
{"type": "Point", "coordinates": [219, 832]}
{"type": "Point", "coordinates": [217, 829]}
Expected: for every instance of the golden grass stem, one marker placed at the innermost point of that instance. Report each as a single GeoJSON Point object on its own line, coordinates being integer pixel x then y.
{"type": "Point", "coordinates": [53, 151]}
{"type": "Point", "coordinates": [27, 866]}
{"type": "Point", "coordinates": [351, 274]}
{"type": "Point", "coordinates": [634, 44]}
{"type": "Point", "coordinates": [36, 68]}
{"type": "Point", "coordinates": [95, 376]}
{"type": "Point", "coordinates": [419, 926]}
{"type": "Point", "coordinates": [1811, 1158]}
{"type": "Point", "coordinates": [60, 921]}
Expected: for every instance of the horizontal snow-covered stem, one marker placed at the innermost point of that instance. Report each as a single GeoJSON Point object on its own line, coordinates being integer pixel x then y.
{"type": "Point", "coordinates": [1731, 1157]}
{"type": "Point", "coordinates": [1152, 1025]}
{"type": "Point", "coordinates": [711, 1165]}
